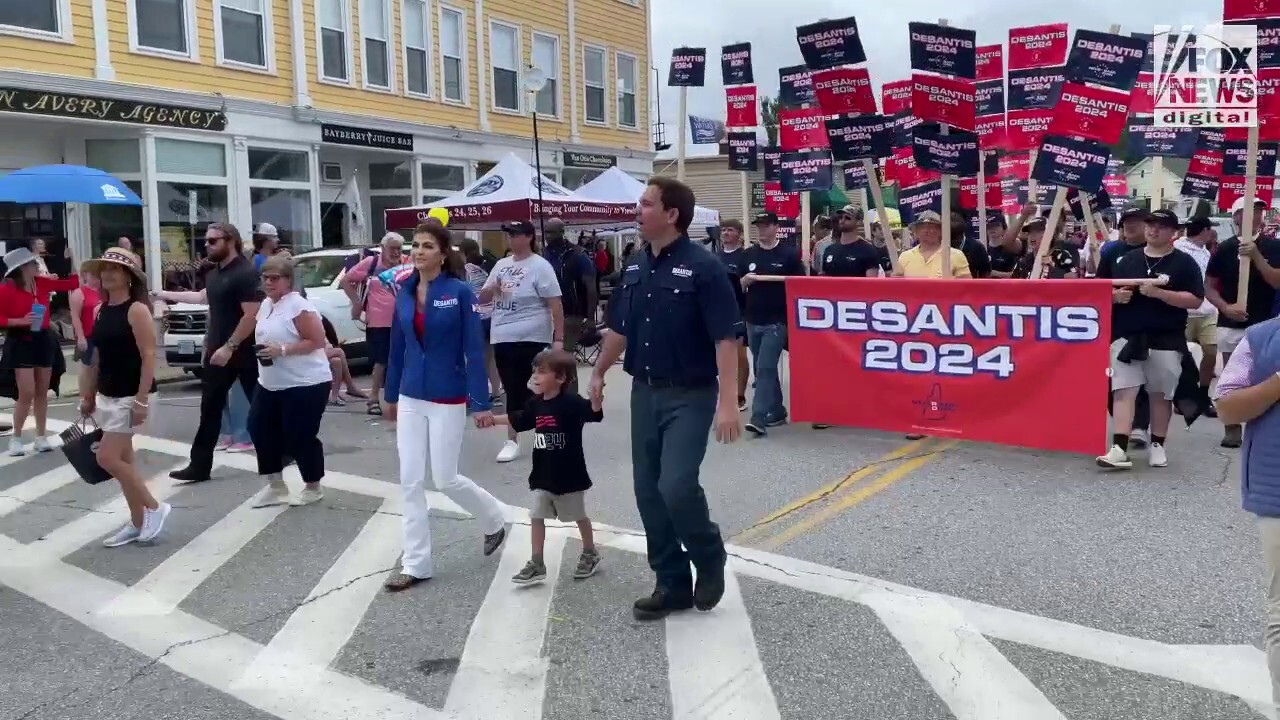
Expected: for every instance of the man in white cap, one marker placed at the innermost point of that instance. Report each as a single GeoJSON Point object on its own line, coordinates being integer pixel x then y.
{"type": "Point", "coordinates": [925, 259]}
{"type": "Point", "coordinates": [1222, 287]}
{"type": "Point", "coordinates": [266, 242]}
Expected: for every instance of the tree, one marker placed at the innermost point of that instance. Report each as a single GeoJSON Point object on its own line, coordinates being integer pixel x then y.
{"type": "Point", "coordinates": [769, 118]}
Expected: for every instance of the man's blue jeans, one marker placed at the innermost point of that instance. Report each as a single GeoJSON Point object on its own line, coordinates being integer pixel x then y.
{"type": "Point", "coordinates": [669, 431]}
{"type": "Point", "coordinates": [767, 343]}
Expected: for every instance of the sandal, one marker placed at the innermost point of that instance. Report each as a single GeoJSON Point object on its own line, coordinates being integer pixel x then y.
{"type": "Point", "coordinates": [374, 408]}
{"type": "Point", "coordinates": [401, 581]}
{"type": "Point", "coordinates": [355, 392]}
{"type": "Point", "coordinates": [337, 401]}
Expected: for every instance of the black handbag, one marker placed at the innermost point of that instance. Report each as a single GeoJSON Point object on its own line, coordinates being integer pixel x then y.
{"type": "Point", "coordinates": [80, 445]}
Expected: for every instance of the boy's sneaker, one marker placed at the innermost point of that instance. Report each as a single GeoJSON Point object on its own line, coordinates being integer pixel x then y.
{"type": "Point", "coordinates": [15, 447]}
{"type": "Point", "coordinates": [153, 522]}
{"type": "Point", "coordinates": [123, 536]}
{"type": "Point", "coordinates": [1156, 456]}
{"type": "Point", "coordinates": [1115, 459]}
{"type": "Point", "coordinates": [755, 429]}
{"type": "Point", "coordinates": [41, 445]}
{"type": "Point", "coordinates": [1138, 439]}
{"type": "Point", "coordinates": [588, 564]}
{"type": "Point", "coordinates": [533, 572]}
{"type": "Point", "coordinates": [510, 451]}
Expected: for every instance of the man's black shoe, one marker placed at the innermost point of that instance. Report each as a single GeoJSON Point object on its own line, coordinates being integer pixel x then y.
{"type": "Point", "coordinates": [709, 588]}
{"type": "Point", "coordinates": [660, 604]}
{"type": "Point", "coordinates": [189, 474]}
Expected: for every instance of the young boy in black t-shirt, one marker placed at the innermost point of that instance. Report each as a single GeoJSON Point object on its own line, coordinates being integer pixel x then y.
{"type": "Point", "coordinates": [559, 476]}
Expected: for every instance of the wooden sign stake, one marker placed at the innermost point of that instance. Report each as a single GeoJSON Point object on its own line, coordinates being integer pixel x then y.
{"type": "Point", "coordinates": [683, 124]}
{"type": "Point", "coordinates": [1247, 229]}
{"type": "Point", "coordinates": [877, 194]}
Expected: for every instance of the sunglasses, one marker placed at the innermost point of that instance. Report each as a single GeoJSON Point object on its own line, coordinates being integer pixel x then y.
{"type": "Point", "coordinates": [214, 240]}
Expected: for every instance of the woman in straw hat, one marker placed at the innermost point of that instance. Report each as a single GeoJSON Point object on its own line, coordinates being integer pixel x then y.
{"type": "Point", "coordinates": [119, 384]}
{"type": "Point", "coordinates": [29, 348]}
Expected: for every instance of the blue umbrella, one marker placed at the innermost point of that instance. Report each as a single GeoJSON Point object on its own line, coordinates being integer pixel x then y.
{"type": "Point", "coordinates": [65, 184]}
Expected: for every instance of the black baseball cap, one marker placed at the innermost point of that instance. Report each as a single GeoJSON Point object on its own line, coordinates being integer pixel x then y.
{"type": "Point", "coordinates": [1195, 226]}
{"type": "Point", "coordinates": [1036, 223]}
{"type": "Point", "coordinates": [519, 227]}
{"type": "Point", "coordinates": [765, 218]}
{"type": "Point", "coordinates": [1164, 218]}
{"type": "Point", "coordinates": [1134, 213]}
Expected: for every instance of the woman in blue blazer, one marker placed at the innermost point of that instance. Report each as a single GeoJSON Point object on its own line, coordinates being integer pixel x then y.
{"type": "Point", "coordinates": [435, 370]}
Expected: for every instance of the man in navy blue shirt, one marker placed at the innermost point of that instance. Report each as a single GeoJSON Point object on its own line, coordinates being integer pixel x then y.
{"type": "Point", "coordinates": [766, 318]}
{"type": "Point", "coordinates": [675, 315]}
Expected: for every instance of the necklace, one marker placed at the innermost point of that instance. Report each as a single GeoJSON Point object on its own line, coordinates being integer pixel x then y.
{"type": "Point", "coordinates": [1151, 266]}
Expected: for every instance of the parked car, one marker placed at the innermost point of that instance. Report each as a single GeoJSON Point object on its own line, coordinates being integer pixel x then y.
{"type": "Point", "coordinates": [319, 271]}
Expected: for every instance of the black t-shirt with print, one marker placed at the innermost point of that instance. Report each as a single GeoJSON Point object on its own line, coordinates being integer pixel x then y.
{"type": "Point", "coordinates": [1224, 266]}
{"type": "Point", "coordinates": [855, 259]}
{"type": "Point", "coordinates": [226, 288]}
{"type": "Point", "coordinates": [977, 256]}
{"type": "Point", "coordinates": [1110, 255]}
{"type": "Point", "coordinates": [1004, 261]}
{"type": "Point", "coordinates": [767, 300]}
{"type": "Point", "coordinates": [1148, 315]}
{"type": "Point", "coordinates": [1063, 261]}
{"type": "Point", "coordinates": [735, 263]}
{"type": "Point", "coordinates": [559, 465]}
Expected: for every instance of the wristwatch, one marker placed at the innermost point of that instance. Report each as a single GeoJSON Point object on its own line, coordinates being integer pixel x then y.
{"type": "Point", "coordinates": [231, 344]}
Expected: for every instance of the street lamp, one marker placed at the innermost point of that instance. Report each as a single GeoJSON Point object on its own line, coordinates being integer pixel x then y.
{"type": "Point", "coordinates": [534, 80]}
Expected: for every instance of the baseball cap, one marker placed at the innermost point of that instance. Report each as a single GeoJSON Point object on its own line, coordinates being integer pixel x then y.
{"type": "Point", "coordinates": [1134, 213]}
{"type": "Point", "coordinates": [1164, 218]}
{"type": "Point", "coordinates": [1036, 223]}
{"type": "Point", "coordinates": [927, 217]}
{"type": "Point", "coordinates": [1238, 205]}
{"type": "Point", "coordinates": [765, 218]}
{"type": "Point", "coordinates": [1195, 226]}
{"type": "Point", "coordinates": [267, 229]}
{"type": "Point", "coordinates": [852, 211]}
{"type": "Point", "coordinates": [519, 227]}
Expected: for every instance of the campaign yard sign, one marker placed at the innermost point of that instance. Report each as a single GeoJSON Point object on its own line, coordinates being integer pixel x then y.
{"type": "Point", "coordinates": [900, 128]}
{"type": "Point", "coordinates": [1034, 88]}
{"type": "Point", "coordinates": [895, 97]}
{"type": "Point", "coordinates": [938, 98]}
{"type": "Point", "coordinates": [1017, 166]}
{"type": "Point", "coordinates": [906, 172]}
{"type": "Point", "coordinates": [969, 193]}
{"type": "Point", "coordinates": [1147, 140]}
{"type": "Point", "coordinates": [807, 170]}
{"type": "Point", "coordinates": [1037, 46]}
{"type": "Point", "coordinates": [855, 176]}
{"type": "Point", "coordinates": [771, 159]}
{"type": "Point", "coordinates": [1200, 186]}
{"type": "Point", "coordinates": [1231, 189]}
{"type": "Point", "coordinates": [782, 204]}
{"type": "Point", "coordinates": [1211, 139]}
{"type": "Point", "coordinates": [914, 200]}
{"type": "Point", "coordinates": [1208, 163]}
{"type": "Point", "coordinates": [802, 129]}
{"type": "Point", "coordinates": [743, 151]}
{"type": "Point", "coordinates": [741, 110]}
{"type": "Point", "coordinates": [968, 362]}
{"type": "Point", "coordinates": [735, 64]}
{"type": "Point", "coordinates": [860, 137]}
{"type": "Point", "coordinates": [989, 63]}
{"type": "Point", "coordinates": [688, 67]}
{"type": "Point", "coordinates": [1105, 59]}
{"type": "Point", "coordinates": [1096, 113]}
{"type": "Point", "coordinates": [954, 154]}
{"type": "Point", "coordinates": [991, 130]}
{"type": "Point", "coordinates": [1074, 163]}
{"type": "Point", "coordinates": [1025, 128]}
{"type": "Point", "coordinates": [944, 50]}
{"type": "Point", "coordinates": [1235, 154]}
{"type": "Point", "coordinates": [830, 43]}
{"type": "Point", "coordinates": [1097, 202]}
{"type": "Point", "coordinates": [844, 91]}
{"type": "Point", "coordinates": [989, 97]}
{"type": "Point", "coordinates": [795, 86]}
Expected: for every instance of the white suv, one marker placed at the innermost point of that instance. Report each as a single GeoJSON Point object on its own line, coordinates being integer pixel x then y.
{"type": "Point", "coordinates": [319, 271]}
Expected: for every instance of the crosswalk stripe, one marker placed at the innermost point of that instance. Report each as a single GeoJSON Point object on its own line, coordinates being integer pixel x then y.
{"type": "Point", "coordinates": [93, 525]}
{"type": "Point", "coordinates": [165, 587]}
{"type": "Point", "coordinates": [503, 673]}
{"type": "Point", "coordinates": [315, 633]}
{"type": "Point", "coordinates": [36, 488]}
{"type": "Point", "coordinates": [713, 665]}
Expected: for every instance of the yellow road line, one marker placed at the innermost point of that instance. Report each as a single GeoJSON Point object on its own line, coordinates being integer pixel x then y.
{"type": "Point", "coordinates": [760, 527]}
{"type": "Point", "coordinates": [855, 497]}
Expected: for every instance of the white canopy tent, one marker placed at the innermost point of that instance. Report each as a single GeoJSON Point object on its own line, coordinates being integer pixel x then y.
{"type": "Point", "coordinates": [614, 185]}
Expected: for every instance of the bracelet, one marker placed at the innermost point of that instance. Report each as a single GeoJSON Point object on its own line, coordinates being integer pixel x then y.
{"type": "Point", "coordinates": [140, 404]}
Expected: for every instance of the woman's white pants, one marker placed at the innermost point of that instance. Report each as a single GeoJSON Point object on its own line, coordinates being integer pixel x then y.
{"type": "Point", "coordinates": [429, 438]}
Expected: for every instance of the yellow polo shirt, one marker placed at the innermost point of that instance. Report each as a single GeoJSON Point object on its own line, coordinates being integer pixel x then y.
{"type": "Point", "coordinates": [915, 265]}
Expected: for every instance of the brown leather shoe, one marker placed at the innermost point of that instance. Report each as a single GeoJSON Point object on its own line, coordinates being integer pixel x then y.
{"type": "Point", "coordinates": [401, 581]}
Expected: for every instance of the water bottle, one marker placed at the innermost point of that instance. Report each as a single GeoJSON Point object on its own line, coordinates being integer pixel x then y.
{"type": "Point", "coordinates": [38, 310]}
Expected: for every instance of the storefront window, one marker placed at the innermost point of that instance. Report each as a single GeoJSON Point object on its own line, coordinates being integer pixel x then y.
{"type": "Point", "coordinates": [118, 157]}
{"type": "Point", "coordinates": [281, 165]}
{"type": "Point", "coordinates": [183, 157]}
{"type": "Point", "coordinates": [378, 204]}
{"type": "Point", "coordinates": [444, 177]}
{"type": "Point", "coordinates": [289, 211]}
{"type": "Point", "coordinates": [109, 223]}
{"type": "Point", "coordinates": [574, 178]}
{"type": "Point", "coordinates": [389, 187]}
{"type": "Point", "coordinates": [186, 210]}
{"type": "Point", "coordinates": [390, 176]}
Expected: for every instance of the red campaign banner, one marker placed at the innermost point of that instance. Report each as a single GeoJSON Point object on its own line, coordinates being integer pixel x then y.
{"type": "Point", "coordinates": [1090, 112]}
{"type": "Point", "coordinates": [1143, 99]}
{"type": "Point", "coordinates": [782, 204]}
{"type": "Point", "coordinates": [895, 97]}
{"type": "Point", "coordinates": [1116, 185]}
{"type": "Point", "coordinates": [1038, 46]}
{"type": "Point", "coordinates": [1249, 9]}
{"type": "Point", "coordinates": [844, 91]}
{"type": "Point", "coordinates": [1009, 197]}
{"type": "Point", "coordinates": [1207, 163]}
{"type": "Point", "coordinates": [935, 98]}
{"type": "Point", "coordinates": [969, 193]}
{"type": "Point", "coordinates": [1269, 104]}
{"type": "Point", "coordinates": [741, 110]}
{"type": "Point", "coordinates": [991, 131]}
{"type": "Point", "coordinates": [990, 62]}
{"type": "Point", "coordinates": [974, 360]}
{"type": "Point", "coordinates": [802, 129]}
{"type": "Point", "coordinates": [1231, 188]}
{"type": "Point", "coordinates": [904, 170]}
{"type": "Point", "coordinates": [1026, 128]}
{"type": "Point", "coordinates": [1017, 167]}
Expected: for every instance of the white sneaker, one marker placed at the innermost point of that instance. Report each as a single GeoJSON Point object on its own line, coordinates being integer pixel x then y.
{"type": "Point", "coordinates": [123, 536]}
{"type": "Point", "coordinates": [1115, 459]}
{"type": "Point", "coordinates": [15, 447]}
{"type": "Point", "coordinates": [306, 497]}
{"type": "Point", "coordinates": [275, 493]}
{"type": "Point", "coordinates": [510, 451]}
{"type": "Point", "coordinates": [41, 445]}
{"type": "Point", "coordinates": [153, 522]}
{"type": "Point", "coordinates": [1139, 439]}
{"type": "Point", "coordinates": [1156, 456]}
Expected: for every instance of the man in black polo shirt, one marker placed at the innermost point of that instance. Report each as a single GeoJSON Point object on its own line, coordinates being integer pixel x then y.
{"type": "Point", "coordinates": [733, 257]}
{"type": "Point", "coordinates": [1133, 235]}
{"type": "Point", "coordinates": [766, 317]}
{"type": "Point", "coordinates": [974, 252]}
{"type": "Point", "coordinates": [233, 292]}
{"type": "Point", "coordinates": [1150, 325]}
{"type": "Point", "coordinates": [675, 316]}
{"type": "Point", "coordinates": [1222, 289]}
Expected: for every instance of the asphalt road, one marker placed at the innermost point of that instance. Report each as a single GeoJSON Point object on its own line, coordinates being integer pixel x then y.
{"type": "Point", "coordinates": [875, 578]}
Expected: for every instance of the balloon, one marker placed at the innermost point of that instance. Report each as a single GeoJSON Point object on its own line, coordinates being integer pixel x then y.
{"type": "Point", "coordinates": [441, 214]}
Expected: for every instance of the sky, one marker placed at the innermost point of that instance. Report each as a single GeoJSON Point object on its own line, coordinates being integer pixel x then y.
{"type": "Point", "coordinates": [769, 25]}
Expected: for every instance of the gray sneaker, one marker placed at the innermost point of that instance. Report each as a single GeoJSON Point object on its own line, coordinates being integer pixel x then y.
{"type": "Point", "coordinates": [588, 564]}
{"type": "Point", "coordinates": [533, 572]}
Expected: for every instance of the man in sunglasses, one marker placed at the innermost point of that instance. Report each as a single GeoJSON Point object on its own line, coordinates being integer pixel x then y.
{"type": "Point", "coordinates": [233, 292]}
